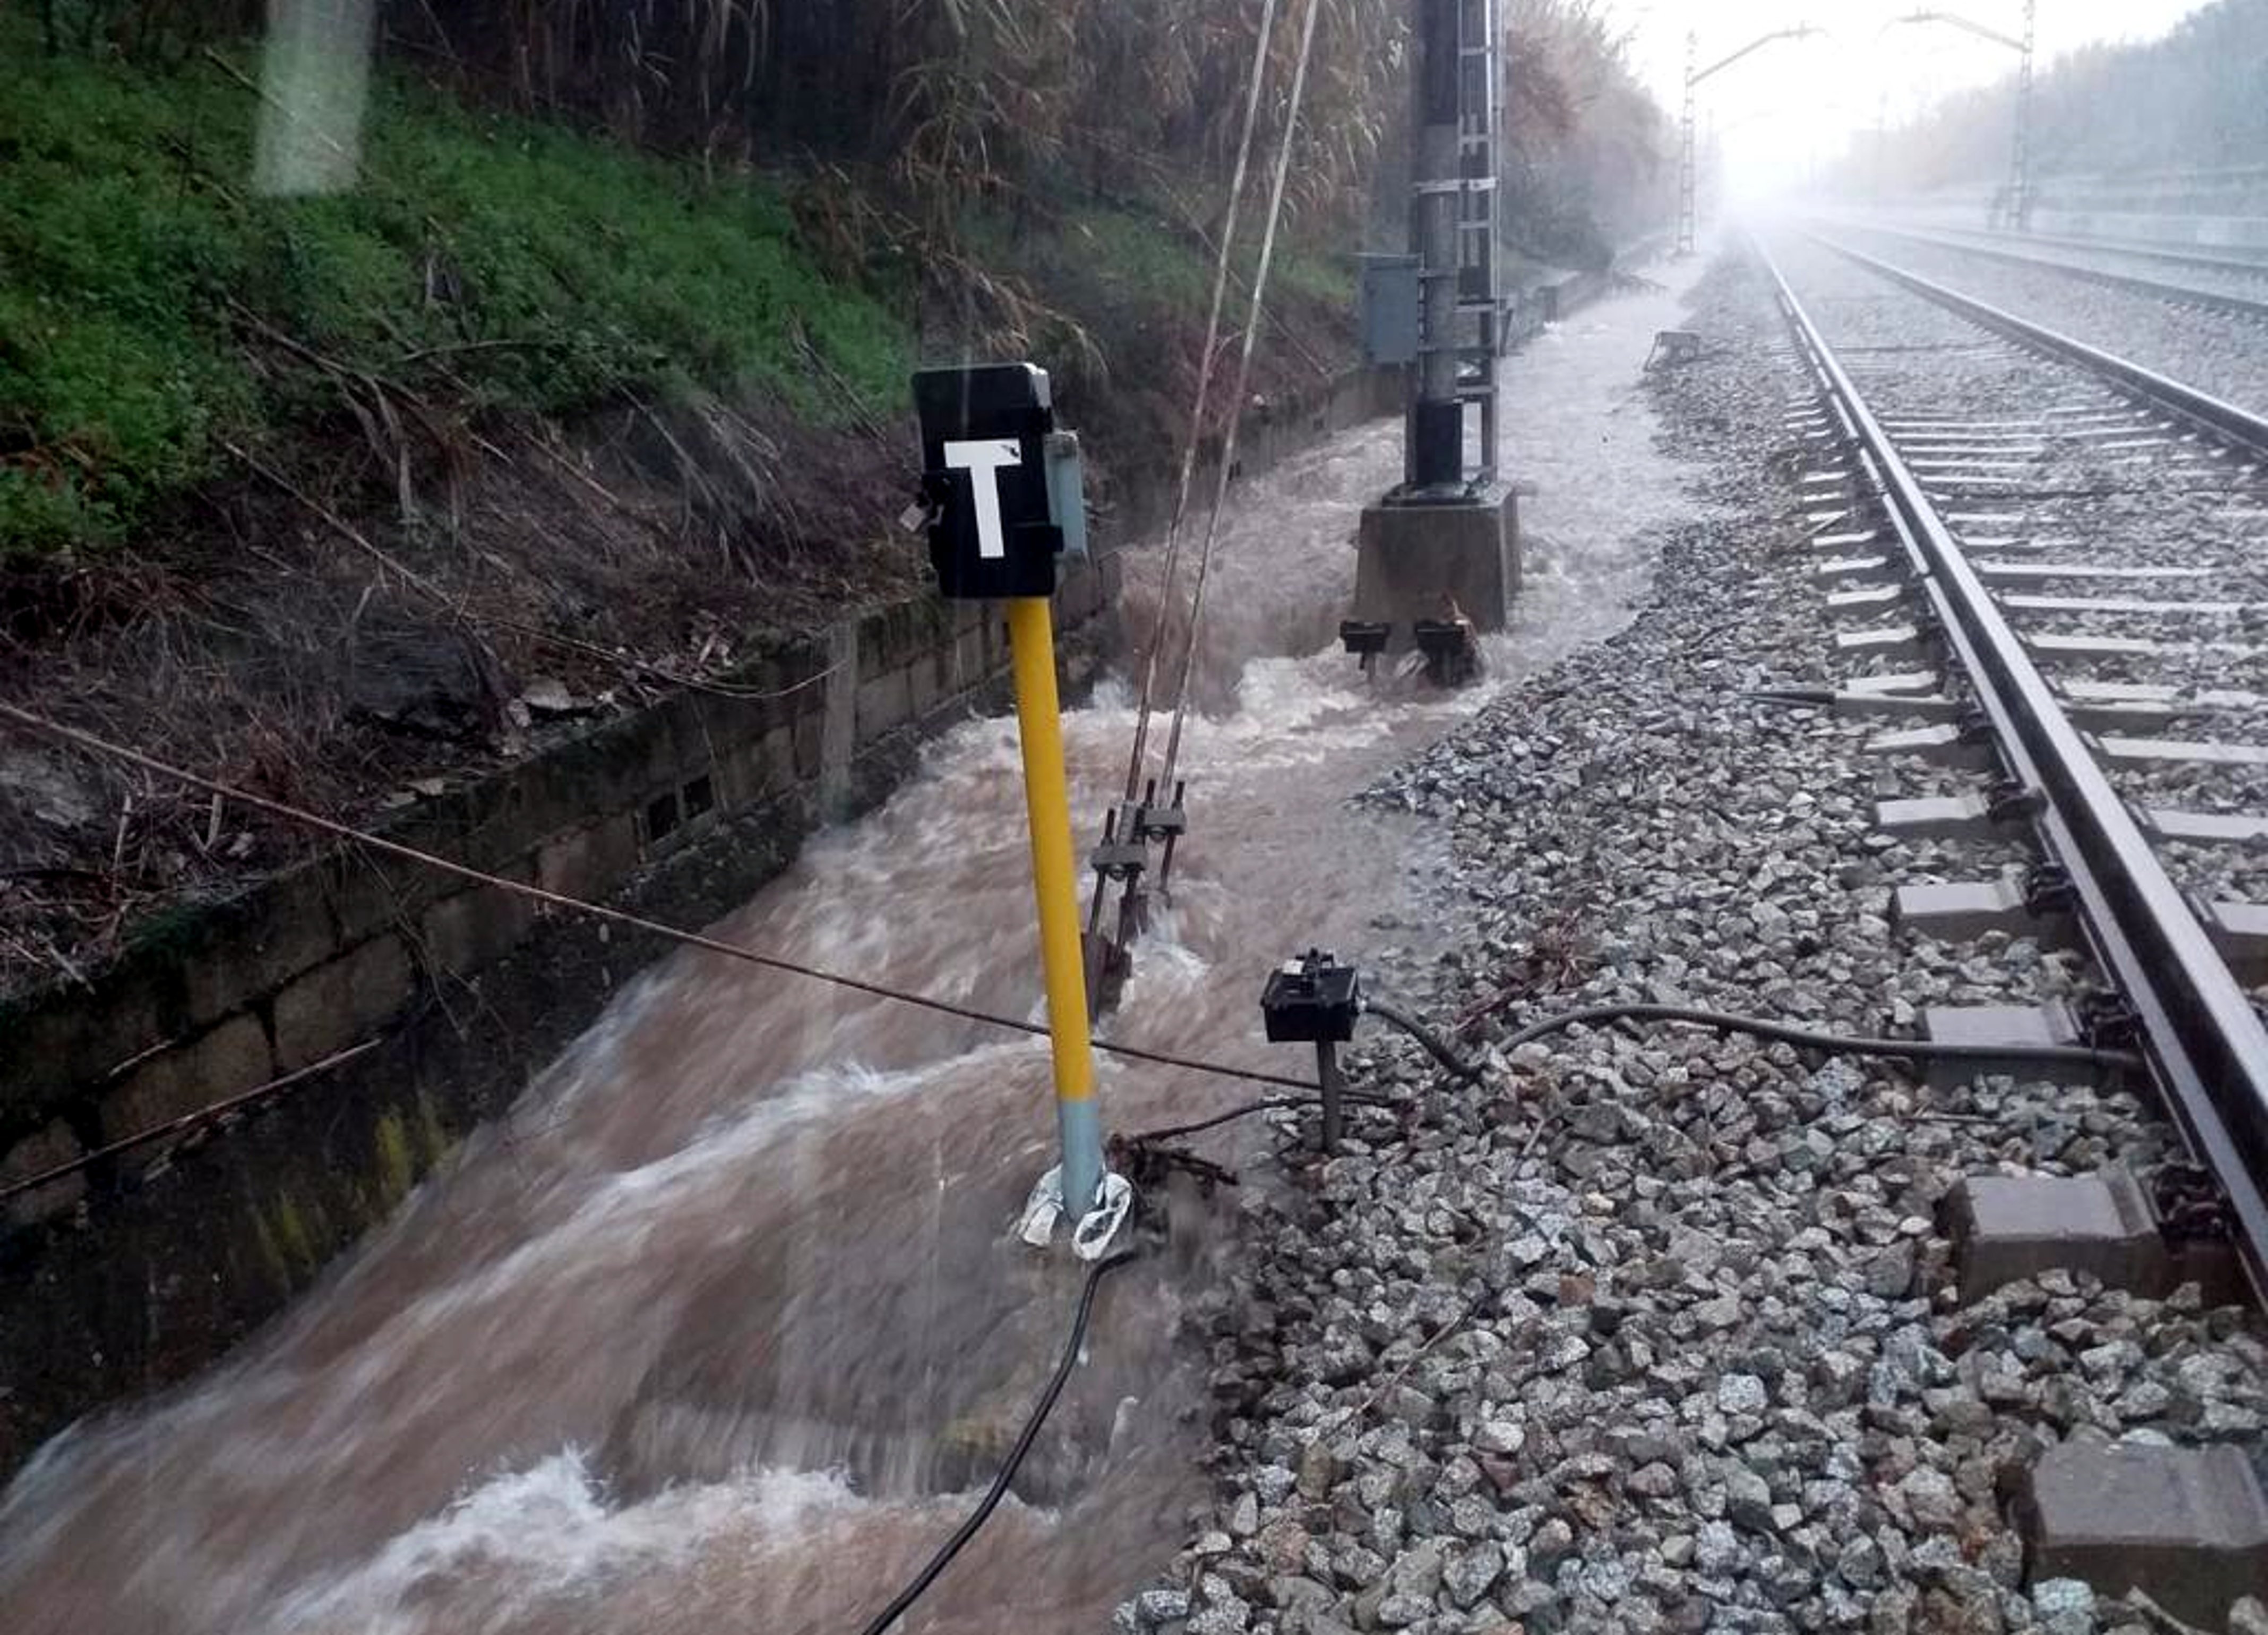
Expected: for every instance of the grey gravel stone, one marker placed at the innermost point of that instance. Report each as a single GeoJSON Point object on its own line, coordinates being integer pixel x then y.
{"type": "Point", "coordinates": [1860, 1562]}
{"type": "Point", "coordinates": [1931, 1500]}
{"type": "Point", "coordinates": [2065, 1606]}
{"type": "Point", "coordinates": [1156, 1607]}
{"type": "Point", "coordinates": [1716, 1550]}
{"type": "Point", "coordinates": [1742, 1394]}
{"type": "Point", "coordinates": [1748, 1500]}
{"type": "Point", "coordinates": [1653, 1330]}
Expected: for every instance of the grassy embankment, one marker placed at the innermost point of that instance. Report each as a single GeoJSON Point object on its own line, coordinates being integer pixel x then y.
{"type": "Point", "coordinates": [515, 265]}
{"type": "Point", "coordinates": [540, 270]}
{"type": "Point", "coordinates": [303, 492]}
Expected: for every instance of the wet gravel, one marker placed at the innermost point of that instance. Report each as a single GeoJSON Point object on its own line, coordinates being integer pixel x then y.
{"type": "Point", "coordinates": [1652, 1330]}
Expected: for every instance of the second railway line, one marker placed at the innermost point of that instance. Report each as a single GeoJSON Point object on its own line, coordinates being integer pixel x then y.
{"type": "Point", "coordinates": [2047, 585]}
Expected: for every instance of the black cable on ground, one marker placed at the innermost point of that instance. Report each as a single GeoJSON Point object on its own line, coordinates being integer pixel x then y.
{"type": "Point", "coordinates": [1831, 1044]}
{"type": "Point", "coordinates": [1273, 1104]}
{"type": "Point", "coordinates": [1431, 1042]}
{"type": "Point", "coordinates": [968, 1530]}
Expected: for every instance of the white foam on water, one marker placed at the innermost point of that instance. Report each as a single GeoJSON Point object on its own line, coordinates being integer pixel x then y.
{"type": "Point", "coordinates": [546, 1533]}
{"type": "Point", "coordinates": [611, 1225]}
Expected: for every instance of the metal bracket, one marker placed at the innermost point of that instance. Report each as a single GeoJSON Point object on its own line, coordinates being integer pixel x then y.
{"type": "Point", "coordinates": [2013, 803]}
{"type": "Point", "coordinates": [2190, 1206]}
{"type": "Point", "coordinates": [1154, 822]}
{"type": "Point", "coordinates": [2110, 1023]}
{"type": "Point", "coordinates": [2048, 890]}
{"type": "Point", "coordinates": [1165, 824]}
{"type": "Point", "coordinates": [1122, 856]}
{"type": "Point", "coordinates": [1365, 641]}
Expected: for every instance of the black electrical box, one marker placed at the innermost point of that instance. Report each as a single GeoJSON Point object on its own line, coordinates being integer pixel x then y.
{"type": "Point", "coordinates": [992, 531]}
{"type": "Point", "coordinates": [1313, 1000]}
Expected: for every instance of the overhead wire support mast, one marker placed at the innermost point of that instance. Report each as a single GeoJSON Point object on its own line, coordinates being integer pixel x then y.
{"type": "Point", "coordinates": [1689, 168]}
{"type": "Point", "coordinates": [2020, 168]}
{"type": "Point", "coordinates": [1438, 556]}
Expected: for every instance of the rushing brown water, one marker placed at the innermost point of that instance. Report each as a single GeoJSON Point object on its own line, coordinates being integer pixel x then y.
{"type": "Point", "coordinates": [724, 1326]}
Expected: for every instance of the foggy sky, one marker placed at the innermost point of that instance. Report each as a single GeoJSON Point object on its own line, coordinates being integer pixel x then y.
{"type": "Point", "coordinates": [1794, 106]}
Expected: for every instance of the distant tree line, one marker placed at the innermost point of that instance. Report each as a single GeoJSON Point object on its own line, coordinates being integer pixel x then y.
{"type": "Point", "coordinates": [2197, 99]}
{"type": "Point", "coordinates": [1588, 165]}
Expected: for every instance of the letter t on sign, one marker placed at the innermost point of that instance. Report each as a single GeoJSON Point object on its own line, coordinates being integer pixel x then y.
{"type": "Point", "coordinates": [984, 461]}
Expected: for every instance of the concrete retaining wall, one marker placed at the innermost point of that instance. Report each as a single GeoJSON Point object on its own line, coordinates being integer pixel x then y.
{"type": "Point", "coordinates": [142, 1268]}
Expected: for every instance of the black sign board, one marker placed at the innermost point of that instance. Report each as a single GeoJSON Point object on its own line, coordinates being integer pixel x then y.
{"type": "Point", "coordinates": [985, 431]}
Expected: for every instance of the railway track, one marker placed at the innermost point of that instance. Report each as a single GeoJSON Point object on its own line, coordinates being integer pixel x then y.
{"type": "Point", "coordinates": [2243, 291]}
{"type": "Point", "coordinates": [2236, 261]}
{"type": "Point", "coordinates": [2047, 558]}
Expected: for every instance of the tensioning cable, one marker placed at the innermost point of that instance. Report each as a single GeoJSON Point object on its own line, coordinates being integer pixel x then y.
{"type": "Point", "coordinates": [1208, 363]}
{"type": "Point", "coordinates": [1243, 381]}
{"type": "Point", "coordinates": [1196, 439]}
{"type": "Point", "coordinates": [93, 744]}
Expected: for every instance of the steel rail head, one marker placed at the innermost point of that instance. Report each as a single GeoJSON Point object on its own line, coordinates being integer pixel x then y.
{"type": "Point", "coordinates": [2245, 428]}
{"type": "Point", "coordinates": [2207, 1044]}
{"type": "Point", "coordinates": [2179, 294]}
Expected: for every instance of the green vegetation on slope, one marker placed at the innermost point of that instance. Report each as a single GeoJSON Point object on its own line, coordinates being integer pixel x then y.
{"type": "Point", "coordinates": [143, 284]}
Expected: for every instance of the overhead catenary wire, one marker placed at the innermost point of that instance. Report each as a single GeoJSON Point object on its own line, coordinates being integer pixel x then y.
{"type": "Point", "coordinates": [1243, 382]}
{"type": "Point", "coordinates": [1076, 1343]}
{"type": "Point", "coordinates": [184, 1124]}
{"type": "Point", "coordinates": [94, 744]}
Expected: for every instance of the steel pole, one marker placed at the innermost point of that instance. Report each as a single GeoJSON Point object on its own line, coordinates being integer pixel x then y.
{"type": "Point", "coordinates": [1333, 1086]}
{"type": "Point", "coordinates": [1437, 422]}
{"type": "Point", "coordinates": [2019, 203]}
{"type": "Point", "coordinates": [1054, 881]}
{"type": "Point", "coordinates": [1688, 173]}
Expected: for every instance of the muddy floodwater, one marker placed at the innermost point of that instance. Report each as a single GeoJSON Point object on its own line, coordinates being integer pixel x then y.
{"type": "Point", "coordinates": [724, 1327]}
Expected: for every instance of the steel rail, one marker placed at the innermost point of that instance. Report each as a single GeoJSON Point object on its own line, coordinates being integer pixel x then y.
{"type": "Point", "coordinates": [2132, 283]}
{"type": "Point", "coordinates": [2232, 260]}
{"type": "Point", "coordinates": [2218, 415]}
{"type": "Point", "coordinates": [2208, 1049]}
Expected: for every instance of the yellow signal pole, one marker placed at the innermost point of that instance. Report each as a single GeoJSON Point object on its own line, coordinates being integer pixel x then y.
{"type": "Point", "coordinates": [1047, 794]}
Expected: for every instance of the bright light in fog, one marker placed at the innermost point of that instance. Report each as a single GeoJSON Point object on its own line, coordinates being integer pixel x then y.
{"type": "Point", "coordinates": [1791, 110]}
{"type": "Point", "coordinates": [315, 82]}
